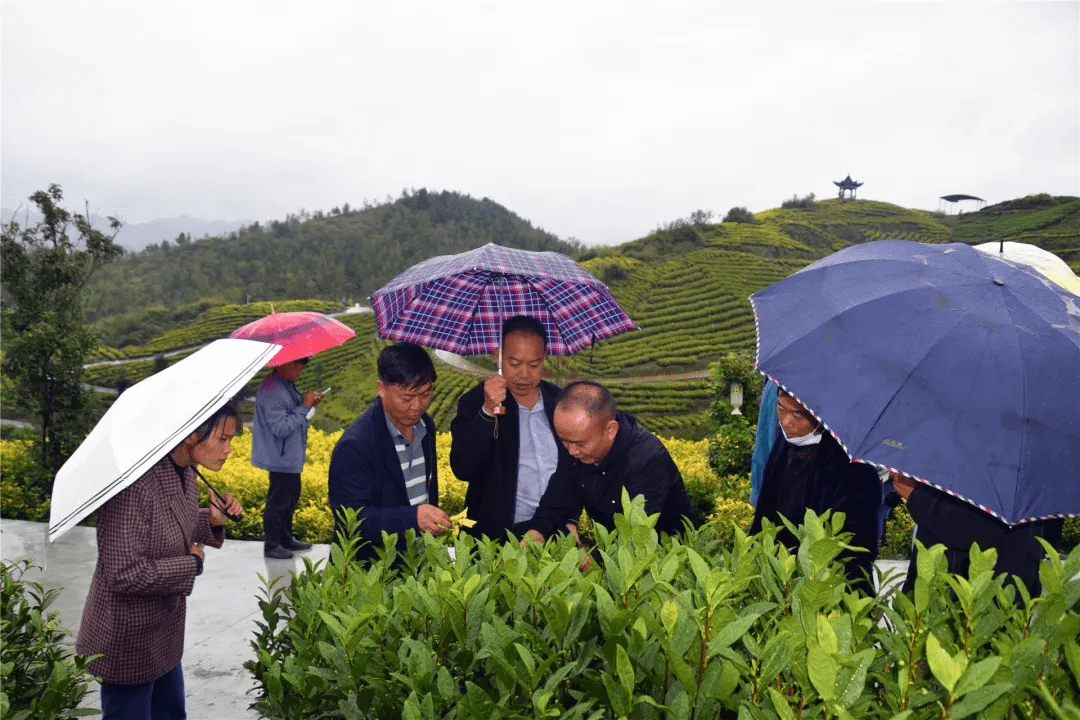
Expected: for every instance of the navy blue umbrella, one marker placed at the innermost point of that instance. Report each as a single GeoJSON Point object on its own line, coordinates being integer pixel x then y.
{"type": "Point", "coordinates": [949, 364]}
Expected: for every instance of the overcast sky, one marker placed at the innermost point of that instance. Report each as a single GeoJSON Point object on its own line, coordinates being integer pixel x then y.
{"type": "Point", "coordinates": [591, 123]}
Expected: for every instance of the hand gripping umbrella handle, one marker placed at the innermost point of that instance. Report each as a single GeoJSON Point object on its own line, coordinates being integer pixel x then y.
{"type": "Point", "coordinates": [221, 507]}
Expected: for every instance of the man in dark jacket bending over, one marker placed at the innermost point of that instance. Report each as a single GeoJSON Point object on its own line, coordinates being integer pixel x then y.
{"type": "Point", "coordinates": [504, 445]}
{"type": "Point", "coordinates": [384, 464]}
{"type": "Point", "coordinates": [610, 452]}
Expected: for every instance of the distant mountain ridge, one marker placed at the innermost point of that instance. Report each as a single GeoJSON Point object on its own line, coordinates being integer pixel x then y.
{"type": "Point", "coordinates": [136, 236]}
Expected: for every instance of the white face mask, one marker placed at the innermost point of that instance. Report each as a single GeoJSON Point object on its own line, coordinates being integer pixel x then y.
{"type": "Point", "coordinates": [803, 440]}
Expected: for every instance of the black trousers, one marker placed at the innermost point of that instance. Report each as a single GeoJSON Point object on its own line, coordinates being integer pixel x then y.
{"type": "Point", "coordinates": [281, 501]}
{"type": "Point", "coordinates": [162, 698]}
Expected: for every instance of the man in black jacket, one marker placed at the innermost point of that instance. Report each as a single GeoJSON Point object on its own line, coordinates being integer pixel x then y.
{"type": "Point", "coordinates": [946, 520]}
{"type": "Point", "coordinates": [807, 468]}
{"type": "Point", "coordinates": [610, 453]}
{"type": "Point", "coordinates": [503, 444]}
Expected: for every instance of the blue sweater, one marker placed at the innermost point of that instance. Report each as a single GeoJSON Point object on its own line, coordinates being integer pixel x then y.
{"type": "Point", "coordinates": [279, 435]}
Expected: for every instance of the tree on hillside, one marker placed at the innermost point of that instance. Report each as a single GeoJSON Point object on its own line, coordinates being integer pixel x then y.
{"type": "Point", "coordinates": [739, 215]}
{"type": "Point", "coordinates": [45, 340]}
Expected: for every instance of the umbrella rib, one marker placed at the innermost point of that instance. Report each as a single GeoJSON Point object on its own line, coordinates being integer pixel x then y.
{"type": "Point", "coordinates": [1009, 308]}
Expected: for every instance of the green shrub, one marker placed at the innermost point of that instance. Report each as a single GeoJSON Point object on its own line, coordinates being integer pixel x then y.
{"type": "Point", "coordinates": [731, 449]}
{"type": "Point", "coordinates": [21, 491]}
{"type": "Point", "coordinates": [614, 273]}
{"type": "Point", "coordinates": [898, 532]}
{"type": "Point", "coordinates": [704, 492]}
{"type": "Point", "coordinates": [799, 203]}
{"type": "Point", "coordinates": [1070, 534]}
{"type": "Point", "coordinates": [660, 627]}
{"type": "Point", "coordinates": [42, 677]}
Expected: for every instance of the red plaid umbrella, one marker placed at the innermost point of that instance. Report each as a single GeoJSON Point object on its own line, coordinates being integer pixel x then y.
{"type": "Point", "coordinates": [301, 334]}
{"type": "Point", "coordinates": [458, 302]}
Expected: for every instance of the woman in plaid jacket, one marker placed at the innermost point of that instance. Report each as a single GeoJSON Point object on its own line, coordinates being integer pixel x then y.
{"type": "Point", "coordinates": [150, 538]}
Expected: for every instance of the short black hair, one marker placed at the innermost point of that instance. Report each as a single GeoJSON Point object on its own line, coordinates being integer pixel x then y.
{"type": "Point", "coordinates": [526, 326]}
{"type": "Point", "coordinates": [592, 397]}
{"type": "Point", "coordinates": [405, 364]}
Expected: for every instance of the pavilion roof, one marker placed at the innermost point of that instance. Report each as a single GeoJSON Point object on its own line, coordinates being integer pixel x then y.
{"type": "Point", "coordinates": [847, 183]}
{"type": "Point", "coordinates": [955, 198]}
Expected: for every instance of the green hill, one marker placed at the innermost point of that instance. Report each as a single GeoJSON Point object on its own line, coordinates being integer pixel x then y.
{"type": "Point", "coordinates": [686, 286]}
{"type": "Point", "coordinates": [346, 253]}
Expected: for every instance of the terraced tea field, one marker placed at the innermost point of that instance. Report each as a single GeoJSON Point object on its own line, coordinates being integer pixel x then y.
{"type": "Point", "coordinates": [688, 292]}
{"type": "Point", "coordinates": [691, 310]}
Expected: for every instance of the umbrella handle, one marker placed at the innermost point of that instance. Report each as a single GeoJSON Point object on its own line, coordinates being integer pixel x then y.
{"type": "Point", "coordinates": [498, 296]}
{"type": "Point", "coordinates": [234, 518]}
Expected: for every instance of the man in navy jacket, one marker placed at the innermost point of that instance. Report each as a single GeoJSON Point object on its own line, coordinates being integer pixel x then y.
{"type": "Point", "coordinates": [384, 464]}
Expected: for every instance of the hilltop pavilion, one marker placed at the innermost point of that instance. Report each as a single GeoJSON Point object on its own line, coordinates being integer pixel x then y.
{"type": "Point", "coordinates": [847, 185]}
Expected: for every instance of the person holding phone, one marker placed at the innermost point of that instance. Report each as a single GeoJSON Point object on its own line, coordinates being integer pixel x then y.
{"type": "Point", "coordinates": [279, 446]}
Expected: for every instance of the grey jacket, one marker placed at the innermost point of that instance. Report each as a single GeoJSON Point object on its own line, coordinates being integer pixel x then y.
{"type": "Point", "coordinates": [279, 435]}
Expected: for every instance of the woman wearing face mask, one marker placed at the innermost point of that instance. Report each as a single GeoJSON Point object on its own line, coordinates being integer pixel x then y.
{"type": "Point", "coordinates": [150, 538]}
{"type": "Point", "coordinates": [807, 469]}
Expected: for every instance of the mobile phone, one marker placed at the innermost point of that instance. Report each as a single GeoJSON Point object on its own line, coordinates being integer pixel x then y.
{"type": "Point", "coordinates": [327, 390]}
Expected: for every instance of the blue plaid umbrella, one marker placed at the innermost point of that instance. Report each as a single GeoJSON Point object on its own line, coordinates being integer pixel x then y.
{"type": "Point", "coordinates": [944, 362]}
{"type": "Point", "coordinates": [458, 302]}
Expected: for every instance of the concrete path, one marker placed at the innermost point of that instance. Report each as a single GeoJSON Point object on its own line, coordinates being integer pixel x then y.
{"type": "Point", "coordinates": [221, 615]}
{"type": "Point", "coordinates": [222, 609]}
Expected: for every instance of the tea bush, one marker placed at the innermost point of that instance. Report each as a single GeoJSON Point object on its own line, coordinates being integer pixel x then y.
{"type": "Point", "coordinates": [40, 675]}
{"type": "Point", "coordinates": [660, 627]}
{"type": "Point", "coordinates": [728, 515]}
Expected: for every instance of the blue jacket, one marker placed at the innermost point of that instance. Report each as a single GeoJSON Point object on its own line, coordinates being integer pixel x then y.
{"type": "Point", "coordinates": [365, 474]}
{"type": "Point", "coordinates": [767, 425]}
{"type": "Point", "coordinates": [279, 434]}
